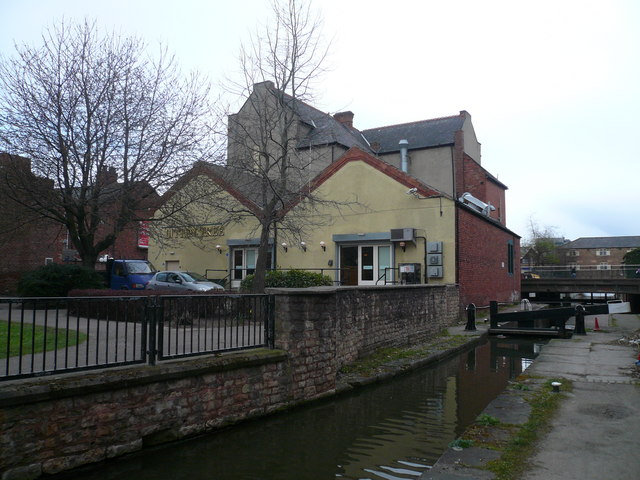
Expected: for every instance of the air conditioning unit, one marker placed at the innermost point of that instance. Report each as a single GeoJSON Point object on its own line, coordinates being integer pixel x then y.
{"type": "Point", "coordinates": [434, 272]}
{"type": "Point", "coordinates": [434, 259]}
{"type": "Point", "coordinates": [434, 247]}
{"type": "Point", "coordinates": [403, 235]}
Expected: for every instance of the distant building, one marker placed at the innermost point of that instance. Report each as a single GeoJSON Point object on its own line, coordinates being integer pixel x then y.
{"type": "Point", "coordinates": [603, 253]}
{"type": "Point", "coordinates": [29, 240]}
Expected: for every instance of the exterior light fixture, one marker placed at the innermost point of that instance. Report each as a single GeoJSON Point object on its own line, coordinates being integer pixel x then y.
{"type": "Point", "coordinates": [219, 248]}
{"type": "Point", "coordinates": [285, 247]}
{"type": "Point", "coordinates": [303, 245]}
{"type": "Point", "coordinates": [403, 245]}
{"type": "Point", "coordinates": [323, 246]}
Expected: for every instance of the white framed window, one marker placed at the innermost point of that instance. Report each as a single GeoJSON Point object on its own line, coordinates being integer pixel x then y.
{"type": "Point", "coordinates": [604, 266]}
{"type": "Point", "coordinates": [603, 252]}
{"type": "Point", "coordinates": [574, 253]}
{"type": "Point", "coordinates": [48, 261]}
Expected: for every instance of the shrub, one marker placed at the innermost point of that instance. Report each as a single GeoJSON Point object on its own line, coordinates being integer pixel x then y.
{"type": "Point", "coordinates": [55, 280]}
{"type": "Point", "coordinates": [289, 279]}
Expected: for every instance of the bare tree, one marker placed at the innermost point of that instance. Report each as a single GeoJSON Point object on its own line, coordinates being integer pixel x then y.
{"type": "Point", "coordinates": [541, 245]}
{"type": "Point", "coordinates": [106, 123]}
{"type": "Point", "coordinates": [266, 160]}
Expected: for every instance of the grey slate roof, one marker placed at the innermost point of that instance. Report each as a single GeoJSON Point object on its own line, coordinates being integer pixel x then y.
{"type": "Point", "coordinates": [604, 242]}
{"type": "Point", "coordinates": [326, 130]}
{"type": "Point", "coordinates": [423, 134]}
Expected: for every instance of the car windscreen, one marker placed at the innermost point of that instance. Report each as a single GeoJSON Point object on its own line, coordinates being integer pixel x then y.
{"type": "Point", "coordinates": [194, 277]}
{"type": "Point", "coordinates": [138, 267]}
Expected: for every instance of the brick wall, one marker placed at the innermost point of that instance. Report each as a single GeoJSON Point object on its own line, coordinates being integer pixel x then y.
{"type": "Point", "coordinates": [482, 260]}
{"type": "Point", "coordinates": [481, 185]}
{"type": "Point", "coordinates": [52, 424]}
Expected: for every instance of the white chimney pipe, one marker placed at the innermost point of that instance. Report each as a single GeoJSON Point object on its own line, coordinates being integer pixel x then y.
{"type": "Point", "coordinates": [404, 155]}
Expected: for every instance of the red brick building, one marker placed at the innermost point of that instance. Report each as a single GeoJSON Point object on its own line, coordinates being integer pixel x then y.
{"type": "Point", "coordinates": [28, 241]}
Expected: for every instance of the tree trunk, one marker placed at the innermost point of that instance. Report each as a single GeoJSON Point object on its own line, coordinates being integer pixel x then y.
{"type": "Point", "coordinates": [261, 262]}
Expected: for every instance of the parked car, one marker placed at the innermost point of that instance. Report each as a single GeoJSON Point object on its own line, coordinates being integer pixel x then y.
{"type": "Point", "coordinates": [185, 281]}
{"type": "Point", "coordinates": [529, 275]}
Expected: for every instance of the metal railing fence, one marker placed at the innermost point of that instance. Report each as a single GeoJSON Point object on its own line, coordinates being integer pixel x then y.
{"type": "Point", "coordinates": [591, 272]}
{"type": "Point", "coordinates": [41, 336]}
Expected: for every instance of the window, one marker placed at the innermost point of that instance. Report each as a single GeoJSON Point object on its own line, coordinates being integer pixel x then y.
{"type": "Point", "coordinates": [510, 256]}
{"type": "Point", "coordinates": [574, 253]}
{"type": "Point", "coordinates": [602, 252]}
{"type": "Point", "coordinates": [48, 261]}
{"type": "Point", "coordinates": [604, 266]}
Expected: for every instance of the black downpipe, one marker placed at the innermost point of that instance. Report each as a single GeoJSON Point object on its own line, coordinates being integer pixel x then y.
{"type": "Point", "coordinates": [426, 276]}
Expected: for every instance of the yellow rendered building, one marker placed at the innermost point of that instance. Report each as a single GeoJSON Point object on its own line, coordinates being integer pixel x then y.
{"type": "Point", "coordinates": [374, 225]}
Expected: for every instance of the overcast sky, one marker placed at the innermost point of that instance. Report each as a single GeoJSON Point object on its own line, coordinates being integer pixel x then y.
{"type": "Point", "coordinates": [553, 87]}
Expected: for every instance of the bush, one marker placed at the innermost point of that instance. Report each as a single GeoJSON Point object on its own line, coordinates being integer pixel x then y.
{"type": "Point", "coordinates": [289, 279]}
{"type": "Point", "coordinates": [55, 280]}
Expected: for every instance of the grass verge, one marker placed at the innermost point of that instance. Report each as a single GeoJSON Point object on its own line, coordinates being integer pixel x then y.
{"type": "Point", "coordinates": [375, 362]}
{"type": "Point", "coordinates": [544, 404]}
{"type": "Point", "coordinates": [27, 340]}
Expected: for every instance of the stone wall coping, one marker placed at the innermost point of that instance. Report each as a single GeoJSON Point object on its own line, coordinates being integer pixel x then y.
{"type": "Point", "coordinates": [50, 387]}
{"type": "Point", "coordinates": [335, 289]}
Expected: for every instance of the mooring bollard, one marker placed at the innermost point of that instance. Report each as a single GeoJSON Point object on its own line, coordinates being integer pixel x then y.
{"type": "Point", "coordinates": [471, 317]}
{"type": "Point", "coordinates": [579, 324]}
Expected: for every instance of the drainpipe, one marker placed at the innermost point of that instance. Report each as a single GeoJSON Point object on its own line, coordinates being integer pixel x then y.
{"type": "Point", "coordinates": [426, 265]}
{"type": "Point", "coordinates": [404, 155]}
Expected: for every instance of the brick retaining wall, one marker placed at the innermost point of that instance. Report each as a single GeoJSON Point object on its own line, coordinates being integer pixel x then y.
{"type": "Point", "coordinates": [52, 424]}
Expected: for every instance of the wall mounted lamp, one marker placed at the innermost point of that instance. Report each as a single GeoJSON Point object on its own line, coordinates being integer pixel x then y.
{"type": "Point", "coordinates": [323, 246]}
{"type": "Point", "coordinates": [403, 245]}
{"type": "Point", "coordinates": [303, 245]}
{"type": "Point", "coordinates": [285, 247]}
{"type": "Point", "coordinates": [219, 248]}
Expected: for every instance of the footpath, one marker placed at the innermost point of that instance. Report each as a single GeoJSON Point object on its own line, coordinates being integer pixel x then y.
{"type": "Point", "coordinates": [595, 432]}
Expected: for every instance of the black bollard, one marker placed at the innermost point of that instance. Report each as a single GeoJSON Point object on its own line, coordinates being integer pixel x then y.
{"type": "Point", "coordinates": [471, 317]}
{"type": "Point", "coordinates": [579, 327]}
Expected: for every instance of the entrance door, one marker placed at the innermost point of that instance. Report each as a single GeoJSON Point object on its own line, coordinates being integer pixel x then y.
{"type": "Point", "coordinates": [349, 265]}
{"type": "Point", "coordinates": [244, 263]}
{"type": "Point", "coordinates": [365, 265]}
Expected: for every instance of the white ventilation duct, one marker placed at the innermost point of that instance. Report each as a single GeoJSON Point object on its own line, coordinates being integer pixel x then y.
{"type": "Point", "coordinates": [404, 155]}
{"type": "Point", "coordinates": [477, 204]}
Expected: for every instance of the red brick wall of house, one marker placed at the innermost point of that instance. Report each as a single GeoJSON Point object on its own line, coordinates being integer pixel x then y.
{"type": "Point", "coordinates": [483, 260]}
{"type": "Point", "coordinates": [479, 184]}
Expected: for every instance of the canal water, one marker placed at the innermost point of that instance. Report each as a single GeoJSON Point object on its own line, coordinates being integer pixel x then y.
{"type": "Point", "coordinates": [394, 430]}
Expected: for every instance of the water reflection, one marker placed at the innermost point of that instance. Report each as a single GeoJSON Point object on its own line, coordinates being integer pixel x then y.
{"type": "Point", "coordinates": [396, 430]}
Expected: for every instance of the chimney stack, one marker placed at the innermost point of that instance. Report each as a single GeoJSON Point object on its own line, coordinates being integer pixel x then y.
{"type": "Point", "coordinates": [345, 118]}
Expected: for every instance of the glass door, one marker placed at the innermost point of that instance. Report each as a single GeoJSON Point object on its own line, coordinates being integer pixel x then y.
{"type": "Point", "coordinates": [365, 265]}
{"type": "Point", "coordinates": [244, 263]}
{"type": "Point", "coordinates": [349, 265]}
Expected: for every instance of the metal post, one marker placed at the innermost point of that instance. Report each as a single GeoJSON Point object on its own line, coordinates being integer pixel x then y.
{"type": "Point", "coordinates": [493, 311]}
{"type": "Point", "coordinates": [471, 317]}
{"type": "Point", "coordinates": [152, 325]}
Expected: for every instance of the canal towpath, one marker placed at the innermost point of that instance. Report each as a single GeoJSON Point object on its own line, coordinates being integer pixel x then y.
{"type": "Point", "coordinates": [594, 433]}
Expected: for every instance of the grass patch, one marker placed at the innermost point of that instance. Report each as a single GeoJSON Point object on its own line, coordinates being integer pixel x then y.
{"type": "Point", "coordinates": [544, 403]}
{"type": "Point", "coordinates": [461, 443]}
{"type": "Point", "coordinates": [373, 363]}
{"type": "Point", "coordinates": [34, 340]}
{"type": "Point", "coordinates": [487, 420]}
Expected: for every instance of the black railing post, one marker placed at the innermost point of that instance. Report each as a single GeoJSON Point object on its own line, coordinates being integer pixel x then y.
{"type": "Point", "coordinates": [471, 317]}
{"type": "Point", "coordinates": [270, 321]}
{"type": "Point", "coordinates": [152, 325]}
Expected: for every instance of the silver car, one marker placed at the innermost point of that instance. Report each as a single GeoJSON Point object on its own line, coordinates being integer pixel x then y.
{"type": "Point", "coordinates": [184, 281]}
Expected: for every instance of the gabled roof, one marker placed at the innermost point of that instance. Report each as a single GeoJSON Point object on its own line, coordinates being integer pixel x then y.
{"type": "Point", "coordinates": [423, 134]}
{"type": "Point", "coordinates": [604, 242]}
{"type": "Point", "coordinates": [356, 154]}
